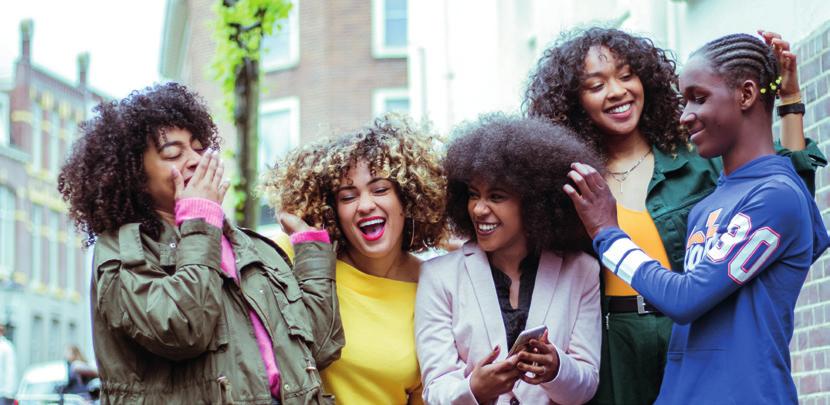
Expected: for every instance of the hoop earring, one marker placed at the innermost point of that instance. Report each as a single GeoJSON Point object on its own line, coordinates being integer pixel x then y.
{"type": "Point", "coordinates": [411, 233]}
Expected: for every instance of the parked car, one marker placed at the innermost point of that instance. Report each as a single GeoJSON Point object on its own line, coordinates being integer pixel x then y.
{"type": "Point", "coordinates": [47, 383]}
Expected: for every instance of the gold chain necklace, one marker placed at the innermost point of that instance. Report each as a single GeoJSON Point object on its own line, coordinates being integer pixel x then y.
{"type": "Point", "coordinates": [620, 177]}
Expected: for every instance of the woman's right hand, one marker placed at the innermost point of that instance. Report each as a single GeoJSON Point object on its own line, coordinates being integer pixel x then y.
{"type": "Point", "coordinates": [292, 224]}
{"type": "Point", "coordinates": [206, 181]}
{"type": "Point", "coordinates": [489, 380]}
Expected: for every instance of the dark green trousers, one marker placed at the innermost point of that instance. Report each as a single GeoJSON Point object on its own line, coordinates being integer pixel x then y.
{"type": "Point", "coordinates": [633, 357]}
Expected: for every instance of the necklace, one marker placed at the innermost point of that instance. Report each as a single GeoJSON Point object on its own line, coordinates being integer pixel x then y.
{"type": "Point", "coordinates": [620, 177]}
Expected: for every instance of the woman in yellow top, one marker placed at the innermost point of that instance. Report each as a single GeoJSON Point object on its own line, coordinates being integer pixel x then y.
{"type": "Point", "coordinates": [379, 192]}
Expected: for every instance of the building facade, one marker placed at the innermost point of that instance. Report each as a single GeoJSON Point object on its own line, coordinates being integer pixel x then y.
{"type": "Point", "coordinates": [43, 278]}
{"type": "Point", "coordinates": [332, 66]}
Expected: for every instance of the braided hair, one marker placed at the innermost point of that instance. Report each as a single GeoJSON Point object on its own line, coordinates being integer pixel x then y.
{"type": "Point", "coordinates": [739, 57]}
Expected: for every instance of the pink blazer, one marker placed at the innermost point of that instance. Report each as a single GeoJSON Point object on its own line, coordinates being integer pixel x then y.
{"type": "Point", "coordinates": [458, 322]}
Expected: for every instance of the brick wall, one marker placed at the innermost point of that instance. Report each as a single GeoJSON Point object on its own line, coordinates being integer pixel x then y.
{"type": "Point", "coordinates": [337, 73]}
{"type": "Point", "coordinates": [810, 346]}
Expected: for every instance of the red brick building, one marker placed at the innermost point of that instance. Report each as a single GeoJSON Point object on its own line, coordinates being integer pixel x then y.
{"type": "Point", "coordinates": [43, 280]}
{"type": "Point", "coordinates": [333, 66]}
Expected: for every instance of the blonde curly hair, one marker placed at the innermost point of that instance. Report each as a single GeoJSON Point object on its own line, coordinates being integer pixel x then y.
{"type": "Point", "coordinates": [305, 181]}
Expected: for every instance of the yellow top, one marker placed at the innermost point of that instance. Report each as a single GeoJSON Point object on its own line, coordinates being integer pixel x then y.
{"type": "Point", "coordinates": [378, 365]}
{"type": "Point", "coordinates": [640, 227]}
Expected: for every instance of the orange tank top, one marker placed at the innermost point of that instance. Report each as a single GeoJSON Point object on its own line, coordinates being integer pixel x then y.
{"type": "Point", "coordinates": [640, 227]}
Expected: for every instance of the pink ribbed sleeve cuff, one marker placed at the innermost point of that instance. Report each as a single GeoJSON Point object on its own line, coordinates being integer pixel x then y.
{"type": "Point", "coordinates": [191, 208]}
{"type": "Point", "coordinates": [310, 236]}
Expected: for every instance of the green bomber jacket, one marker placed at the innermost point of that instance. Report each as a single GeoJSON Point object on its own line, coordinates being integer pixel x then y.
{"type": "Point", "coordinates": [170, 327]}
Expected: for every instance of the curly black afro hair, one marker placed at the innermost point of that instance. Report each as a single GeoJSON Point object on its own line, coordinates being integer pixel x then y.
{"type": "Point", "coordinates": [530, 157]}
{"type": "Point", "coordinates": [554, 87]}
{"type": "Point", "coordinates": [103, 180]}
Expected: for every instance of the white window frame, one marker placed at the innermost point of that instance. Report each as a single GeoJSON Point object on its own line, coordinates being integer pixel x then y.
{"type": "Point", "coordinates": [8, 205]}
{"type": "Point", "coordinates": [379, 97]}
{"type": "Point", "coordinates": [293, 26]}
{"type": "Point", "coordinates": [292, 104]}
{"type": "Point", "coordinates": [379, 48]}
{"type": "Point", "coordinates": [5, 124]}
{"type": "Point", "coordinates": [37, 137]}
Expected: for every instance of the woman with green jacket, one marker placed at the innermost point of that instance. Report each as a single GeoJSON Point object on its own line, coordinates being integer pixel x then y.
{"type": "Point", "coordinates": [187, 308]}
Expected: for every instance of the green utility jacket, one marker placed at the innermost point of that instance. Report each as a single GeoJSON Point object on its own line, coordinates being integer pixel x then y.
{"type": "Point", "coordinates": [170, 327]}
{"type": "Point", "coordinates": [682, 179]}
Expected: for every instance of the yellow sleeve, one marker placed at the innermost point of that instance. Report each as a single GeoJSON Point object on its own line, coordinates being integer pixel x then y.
{"type": "Point", "coordinates": [284, 242]}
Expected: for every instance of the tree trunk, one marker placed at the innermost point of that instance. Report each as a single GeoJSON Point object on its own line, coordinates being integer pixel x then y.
{"type": "Point", "coordinates": [246, 117]}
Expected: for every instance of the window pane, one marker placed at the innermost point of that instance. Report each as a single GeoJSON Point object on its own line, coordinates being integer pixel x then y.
{"type": "Point", "coordinates": [274, 142]}
{"type": "Point", "coordinates": [276, 48]}
{"type": "Point", "coordinates": [7, 231]}
{"type": "Point", "coordinates": [274, 137]}
{"type": "Point", "coordinates": [37, 223]}
{"type": "Point", "coordinates": [395, 24]}
{"type": "Point", "coordinates": [400, 105]}
{"type": "Point", "coordinates": [54, 142]}
{"type": "Point", "coordinates": [37, 137]}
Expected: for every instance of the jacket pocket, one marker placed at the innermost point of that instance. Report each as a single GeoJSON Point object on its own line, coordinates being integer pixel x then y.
{"type": "Point", "coordinates": [293, 311]}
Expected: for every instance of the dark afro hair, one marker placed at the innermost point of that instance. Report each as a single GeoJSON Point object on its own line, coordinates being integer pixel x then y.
{"type": "Point", "coordinates": [554, 87]}
{"type": "Point", "coordinates": [530, 157]}
{"type": "Point", "coordinates": [103, 180]}
{"type": "Point", "coordinates": [739, 57]}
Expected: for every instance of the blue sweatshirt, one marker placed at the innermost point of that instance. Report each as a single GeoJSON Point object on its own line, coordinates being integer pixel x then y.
{"type": "Point", "coordinates": [749, 247]}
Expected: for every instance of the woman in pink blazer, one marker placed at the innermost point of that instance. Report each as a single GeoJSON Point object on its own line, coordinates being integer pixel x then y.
{"type": "Point", "coordinates": [523, 267]}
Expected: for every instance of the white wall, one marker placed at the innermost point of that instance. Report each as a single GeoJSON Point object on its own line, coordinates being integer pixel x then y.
{"type": "Point", "coordinates": [469, 57]}
{"type": "Point", "coordinates": [473, 56]}
{"type": "Point", "coordinates": [708, 19]}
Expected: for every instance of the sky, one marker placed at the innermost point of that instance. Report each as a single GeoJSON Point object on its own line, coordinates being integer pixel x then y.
{"type": "Point", "coordinates": [123, 38]}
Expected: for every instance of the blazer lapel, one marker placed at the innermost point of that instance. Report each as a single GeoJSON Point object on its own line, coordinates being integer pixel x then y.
{"type": "Point", "coordinates": [546, 277]}
{"type": "Point", "coordinates": [484, 289]}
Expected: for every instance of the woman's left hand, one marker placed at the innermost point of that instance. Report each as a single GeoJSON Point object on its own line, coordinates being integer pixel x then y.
{"type": "Point", "coordinates": [787, 66]}
{"type": "Point", "coordinates": [541, 359]}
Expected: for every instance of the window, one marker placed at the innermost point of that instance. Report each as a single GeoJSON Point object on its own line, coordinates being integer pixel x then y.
{"type": "Point", "coordinates": [281, 49]}
{"type": "Point", "coordinates": [5, 127]}
{"type": "Point", "coordinates": [37, 248]}
{"type": "Point", "coordinates": [72, 334]}
{"type": "Point", "coordinates": [54, 141]}
{"type": "Point", "coordinates": [53, 250]}
{"type": "Point", "coordinates": [390, 100]}
{"type": "Point", "coordinates": [279, 132]}
{"type": "Point", "coordinates": [38, 343]}
{"type": "Point", "coordinates": [37, 137]}
{"type": "Point", "coordinates": [389, 26]}
{"type": "Point", "coordinates": [55, 343]}
{"type": "Point", "coordinates": [71, 258]}
{"type": "Point", "coordinates": [7, 231]}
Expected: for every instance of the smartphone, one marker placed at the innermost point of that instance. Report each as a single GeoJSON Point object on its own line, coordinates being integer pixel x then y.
{"type": "Point", "coordinates": [524, 338]}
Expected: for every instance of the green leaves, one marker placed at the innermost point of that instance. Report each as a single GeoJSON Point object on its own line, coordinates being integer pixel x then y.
{"type": "Point", "coordinates": [238, 31]}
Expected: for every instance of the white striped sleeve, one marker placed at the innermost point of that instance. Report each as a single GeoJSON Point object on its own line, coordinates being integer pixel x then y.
{"type": "Point", "coordinates": [623, 258]}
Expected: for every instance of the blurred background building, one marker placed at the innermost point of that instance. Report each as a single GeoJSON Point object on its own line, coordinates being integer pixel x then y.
{"type": "Point", "coordinates": [332, 67]}
{"type": "Point", "coordinates": [44, 284]}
